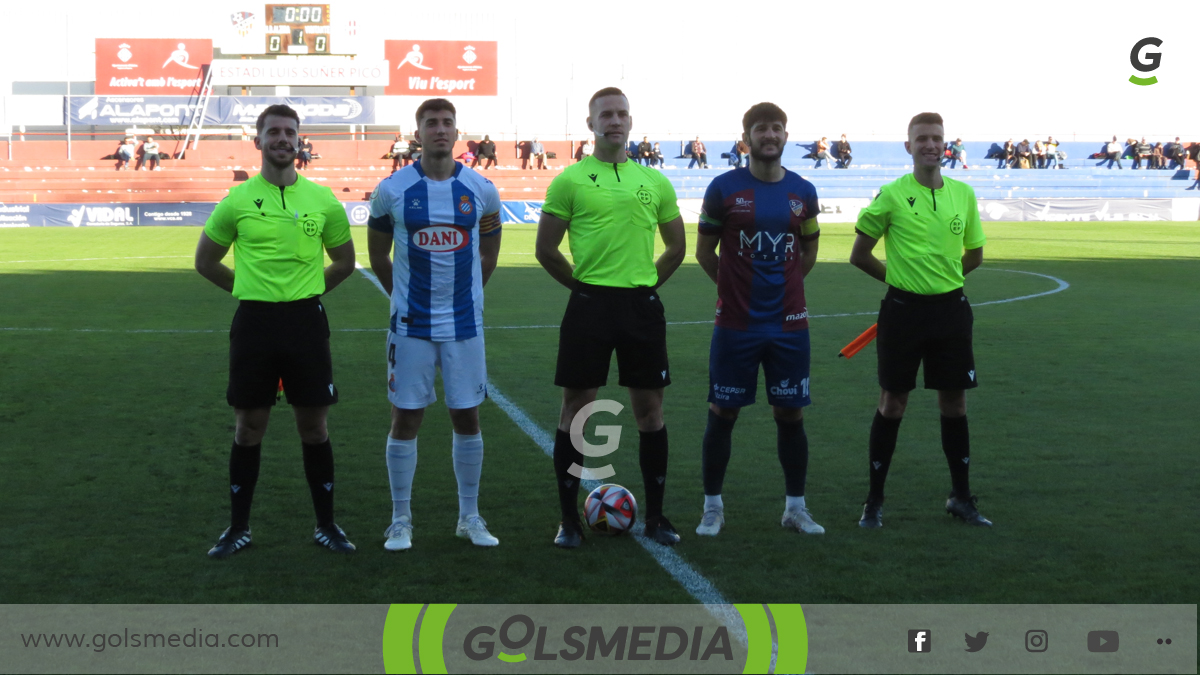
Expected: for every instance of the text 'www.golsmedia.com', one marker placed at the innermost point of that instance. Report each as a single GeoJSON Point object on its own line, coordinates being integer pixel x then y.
{"type": "Point", "coordinates": [197, 638]}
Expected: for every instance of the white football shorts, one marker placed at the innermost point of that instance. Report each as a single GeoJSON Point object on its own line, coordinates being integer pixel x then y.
{"type": "Point", "coordinates": [412, 363]}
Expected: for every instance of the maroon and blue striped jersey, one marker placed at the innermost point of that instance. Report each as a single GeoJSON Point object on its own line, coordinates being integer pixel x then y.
{"type": "Point", "coordinates": [760, 284]}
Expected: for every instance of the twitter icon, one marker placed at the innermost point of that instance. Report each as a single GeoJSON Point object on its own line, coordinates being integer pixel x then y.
{"type": "Point", "coordinates": [977, 642]}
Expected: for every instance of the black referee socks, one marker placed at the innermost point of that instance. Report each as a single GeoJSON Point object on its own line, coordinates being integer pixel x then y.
{"type": "Point", "coordinates": [652, 456]}
{"type": "Point", "coordinates": [318, 469]}
{"type": "Point", "coordinates": [716, 448]}
{"type": "Point", "coordinates": [792, 446]}
{"type": "Point", "coordinates": [565, 455]}
{"type": "Point", "coordinates": [882, 447]}
{"type": "Point", "coordinates": [244, 461]}
{"type": "Point", "coordinates": [956, 443]}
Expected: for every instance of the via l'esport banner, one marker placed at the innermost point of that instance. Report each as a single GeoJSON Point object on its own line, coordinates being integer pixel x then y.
{"type": "Point", "coordinates": [119, 215]}
{"type": "Point", "coordinates": [222, 110]}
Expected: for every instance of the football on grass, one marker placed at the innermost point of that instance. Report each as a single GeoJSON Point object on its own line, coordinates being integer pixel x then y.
{"type": "Point", "coordinates": [610, 509]}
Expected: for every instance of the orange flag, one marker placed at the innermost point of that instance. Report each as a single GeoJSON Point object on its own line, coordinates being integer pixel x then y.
{"type": "Point", "coordinates": [859, 342]}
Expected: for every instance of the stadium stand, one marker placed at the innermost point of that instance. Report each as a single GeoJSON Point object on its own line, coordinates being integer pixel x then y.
{"type": "Point", "coordinates": [39, 173]}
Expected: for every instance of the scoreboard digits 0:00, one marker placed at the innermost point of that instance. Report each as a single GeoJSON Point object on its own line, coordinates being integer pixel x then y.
{"type": "Point", "coordinates": [308, 15]}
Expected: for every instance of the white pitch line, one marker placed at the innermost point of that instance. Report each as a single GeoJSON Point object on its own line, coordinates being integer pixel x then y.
{"type": "Point", "coordinates": [134, 257]}
{"type": "Point", "coordinates": [1062, 286]}
{"type": "Point", "coordinates": [692, 581]}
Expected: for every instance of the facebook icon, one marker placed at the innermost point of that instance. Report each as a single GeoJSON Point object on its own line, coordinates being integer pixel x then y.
{"type": "Point", "coordinates": [920, 641]}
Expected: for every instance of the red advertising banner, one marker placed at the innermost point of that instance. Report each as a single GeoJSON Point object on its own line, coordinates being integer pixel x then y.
{"type": "Point", "coordinates": [436, 68]}
{"type": "Point", "coordinates": [150, 65]}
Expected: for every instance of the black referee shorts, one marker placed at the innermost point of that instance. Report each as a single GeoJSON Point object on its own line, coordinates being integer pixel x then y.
{"type": "Point", "coordinates": [270, 341]}
{"type": "Point", "coordinates": [935, 329]}
{"type": "Point", "coordinates": [600, 319]}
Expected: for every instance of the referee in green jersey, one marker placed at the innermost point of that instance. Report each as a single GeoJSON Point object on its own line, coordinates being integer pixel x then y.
{"type": "Point", "coordinates": [280, 225]}
{"type": "Point", "coordinates": [930, 225]}
{"type": "Point", "coordinates": [612, 207]}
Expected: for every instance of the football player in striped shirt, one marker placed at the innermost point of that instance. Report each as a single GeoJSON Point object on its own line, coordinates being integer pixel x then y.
{"type": "Point", "coordinates": [765, 220]}
{"type": "Point", "coordinates": [434, 237]}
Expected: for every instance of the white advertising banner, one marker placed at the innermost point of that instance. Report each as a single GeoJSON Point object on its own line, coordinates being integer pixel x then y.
{"type": "Point", "coordinates": [311, 71]}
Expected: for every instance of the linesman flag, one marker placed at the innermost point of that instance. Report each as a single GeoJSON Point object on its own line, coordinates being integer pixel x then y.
{"type": "Point", "coordinates": [859, 342]}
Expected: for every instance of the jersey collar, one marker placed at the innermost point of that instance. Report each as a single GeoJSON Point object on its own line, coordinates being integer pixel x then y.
{"type": "Point", "coordinates": [421, 171]}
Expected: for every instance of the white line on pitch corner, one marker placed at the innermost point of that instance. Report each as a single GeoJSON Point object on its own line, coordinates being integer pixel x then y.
{"type": "Point", "coordinates": [692, 581]}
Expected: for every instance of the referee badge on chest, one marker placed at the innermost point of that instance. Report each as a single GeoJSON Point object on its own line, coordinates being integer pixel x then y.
{"type": "Point", "coordinates": [644, 196]}
{"type": "Point", "coordinates": [797, 207]}
{"type": "Point", "coordinates": [464, 205]}
{"type": "Point", "coordinates": [956, 225]}
{"type": "Point", "coordinates": [310, 226]}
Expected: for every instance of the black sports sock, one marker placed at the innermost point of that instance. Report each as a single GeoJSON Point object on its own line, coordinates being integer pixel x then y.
{"type": "Point", "coordinates": [883, 446]}
{"type": "Point", "coordinates": [243, 476]}
{"type": "Point", "coordinates": [792, 445]}
{"type": "Point", "coordinates": [652, 456]}
{"type": "Point", "coordinates": [956, 443]}
{"type": "Point", "coordinates": [565, 455]}
{"type": "Point", "coordinates": [714, 456]}
{"type": "Point", "coordinates": [318, 469]}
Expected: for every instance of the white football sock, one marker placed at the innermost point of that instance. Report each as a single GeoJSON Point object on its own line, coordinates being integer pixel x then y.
{"type": "Point", "coordinates": [713, 502]}
{"type": "Point", "coordinates": [402, 465]}
{"type": "Point", "coordinates": [468, 466]}
{"type": "Point", "coordinates": [793, 504]}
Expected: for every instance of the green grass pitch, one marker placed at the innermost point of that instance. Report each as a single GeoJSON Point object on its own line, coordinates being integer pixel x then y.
{"type": "Point", "coordinates": [115, 440]}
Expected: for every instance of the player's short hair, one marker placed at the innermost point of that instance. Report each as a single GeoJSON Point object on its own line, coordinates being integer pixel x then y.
{"type": "Point", "coordinates": [278, 110]}
{"type": "Point", "coordinates": [925, 118]}
{"type": "Point", "coordinates": [436, 105]}
{"type": "Point", "coordinates": [607, 91]}
{"type": "Point", "coordinates": [763, 112]}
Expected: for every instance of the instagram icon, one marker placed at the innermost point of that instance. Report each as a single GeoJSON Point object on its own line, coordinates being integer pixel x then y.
{"type": "Point", "coordinates": [1036, 641]}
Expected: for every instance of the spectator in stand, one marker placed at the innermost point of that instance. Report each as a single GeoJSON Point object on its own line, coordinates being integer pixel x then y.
{"type": "Point", "coordinates": [537, 152]}
{"type": "Point", "coordinates": [699, 154]}
{"type": "Point", "coordinates": [823, 153]}
{"type": "Point", "coordinates": [644, 150]}
{"type": "Point", "coordinates": [1175, 153]}
{"type": "Point", "coordinates": [306, 152]}
{"type": "Point", "coordinates": [486, 150]}
{"type": "Point", "coordinates": [588, 148]}
{"type": "Point", "coordinates": [1005, 159]}
{"type": "Point", "coordinates": [1141, 153]}
{"type": "Point", "coordinates": [1039, 153]}
{"type": "Point", "coordinates": [735, 157]}
{"type": "Point", "coordinates": [125, 152]}
{"type": "Point", "coordinates": [414, 151]}
{"type": "Point", "coordinates": [1114, 153]}
{"type": "Point", "coordinates": [843, 153]}
{"type": "Point", "coordinates": [1024, 155]}
{"type": "Point", "coordinates": [958, 153]}
{"type": "Point", "coordinates": [1051, 152]}
{"type": "Point", "coordinates": [656, 156]}
{"type": "Point", "coordinates": [1156, 157]}
{"type": "Point", "coordinates": [398, 146]}
{"type": "Point", "coordinates": [149, 155]}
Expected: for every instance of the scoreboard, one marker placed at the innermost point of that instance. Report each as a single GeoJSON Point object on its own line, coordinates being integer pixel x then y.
{"type": "Point", "coordinates": [290, 29]}
{"type": "Point", "coordinates": [297, 29]}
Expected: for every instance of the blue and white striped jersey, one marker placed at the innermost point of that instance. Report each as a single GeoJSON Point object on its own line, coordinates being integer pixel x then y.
{"type": "Point", "coordinates": [437, 285]}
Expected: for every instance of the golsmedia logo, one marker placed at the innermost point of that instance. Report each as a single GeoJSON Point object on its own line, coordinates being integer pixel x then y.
{"type": "Point", "coordinates": [630, 643]}
{"type": "Point", "coordinates": [1145, 63]}
{"type": "Point", "coordinates": [513, 639]}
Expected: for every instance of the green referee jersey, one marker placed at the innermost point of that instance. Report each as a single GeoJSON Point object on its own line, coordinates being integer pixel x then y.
{"type": "Point", "coordinates": [614, 211]}
{"type": "Point", "coordinates": [279, 236]}
{"type": "Point", "coordinates": [924, 232]}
